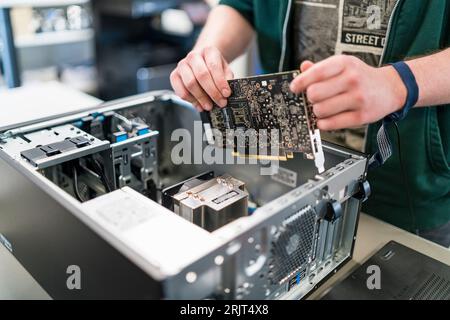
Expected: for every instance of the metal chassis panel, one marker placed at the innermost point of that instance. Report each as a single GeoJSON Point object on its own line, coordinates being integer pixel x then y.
{"type": "Point", "coordinates": [60, 220]}
{"type": "Point", "coordinates": [47, 238]}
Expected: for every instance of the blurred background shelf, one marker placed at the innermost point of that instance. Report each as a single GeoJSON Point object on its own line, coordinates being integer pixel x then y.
{"type": "Point", "coordinates": [44, 40]}
{"type": "Point", "coordinates": [107, 48]}
{"type": "Point", "coordinates": [40, 3]}
{"type": "Point", "coordinates": [137, 8]}
{"type": "Point", "coordinates": [54, 38]}
{"type": "Point", "coordinates": [130, 46]}
{"type": "Point", "coordinates": [137, 45]}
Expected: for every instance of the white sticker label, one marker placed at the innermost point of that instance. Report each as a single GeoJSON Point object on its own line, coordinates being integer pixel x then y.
{"type": "Point", "coordinates": [124, 214]}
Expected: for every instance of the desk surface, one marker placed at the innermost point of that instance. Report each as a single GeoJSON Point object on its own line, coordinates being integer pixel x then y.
{"type": "Point", "coordinates": [16, 283]}
{"type": "Point", "coordinates": [373, 235]}
{"type": "Point", "coordinates": [41, 102]}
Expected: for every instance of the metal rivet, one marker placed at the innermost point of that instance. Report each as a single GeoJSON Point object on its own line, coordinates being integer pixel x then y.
{"type": "Point", "coordinates": [191, 277]}
{"type": "Point", "coordinates": [219, 260]}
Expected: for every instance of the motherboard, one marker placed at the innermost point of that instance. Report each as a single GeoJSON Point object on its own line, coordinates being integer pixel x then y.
{"type": "Point", "coordinates": [260, 106]}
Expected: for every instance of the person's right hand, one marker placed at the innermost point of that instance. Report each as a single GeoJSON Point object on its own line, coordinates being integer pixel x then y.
{"type": "Point", "coordinates": [201, 78]}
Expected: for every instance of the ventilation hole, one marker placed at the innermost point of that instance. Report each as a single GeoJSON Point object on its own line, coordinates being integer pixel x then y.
{"type": "Point", "coordinates": [292, 245]}
{"type": "Point", "coordinates": [434, 288]}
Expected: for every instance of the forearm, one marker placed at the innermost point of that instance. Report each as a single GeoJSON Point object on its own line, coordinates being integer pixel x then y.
{"type": "Point", "coordinates": [226, 30]}
{"type": "Point", "coordinates": [432, 76]}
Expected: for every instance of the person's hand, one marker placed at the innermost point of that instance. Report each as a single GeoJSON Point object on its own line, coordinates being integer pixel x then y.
{"type": "Point", "coordinates": [346, 92]}
{"type": "Point", "coordinates": [201, 78]}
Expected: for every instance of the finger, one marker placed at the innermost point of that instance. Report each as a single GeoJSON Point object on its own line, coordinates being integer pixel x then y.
{"type": "Point", "coordinates": [205, 79]}
{"type": "Point", "coordinates": [214, 62]}
{"type": "Point", "coordinates": [198, 107]}
{"type": "Point", "coordinates": [344, 120]}
{"type": "Point", "coordinates": [180, 89]}
{"type": "Point", "coordinates": [228, 72]}
{"type": "Point", "coordinates": [306, 65]}
{"type": "Point", "coordinates": [333, 106]}
{"type": "Point", "coordinates": [327, 89]}
{"type": "Point", "coordinates": [192, 85]}
{"type": "Point", "coordinates": [321, 71]}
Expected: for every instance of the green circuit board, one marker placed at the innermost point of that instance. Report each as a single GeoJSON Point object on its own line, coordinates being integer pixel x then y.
{"type": "Point", "coordinates": [266, 103]}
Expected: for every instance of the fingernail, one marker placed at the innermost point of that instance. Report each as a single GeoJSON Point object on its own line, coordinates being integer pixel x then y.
{"type": "Point", "coordinates": [207, 106]}
{"type": "Point", "coordinates": [223, 103]}
{"type": "Point", "coordinates": [226, 92]}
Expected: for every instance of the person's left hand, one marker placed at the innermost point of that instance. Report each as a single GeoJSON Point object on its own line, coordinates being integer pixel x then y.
{"type": "Point", "coordinates": [346, 92]}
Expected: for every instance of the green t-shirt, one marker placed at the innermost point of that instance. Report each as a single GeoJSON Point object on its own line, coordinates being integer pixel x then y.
{"type": "Point", "coordinates": [323, 28]}
{"type": "Point", "coordinates": [417, 28]}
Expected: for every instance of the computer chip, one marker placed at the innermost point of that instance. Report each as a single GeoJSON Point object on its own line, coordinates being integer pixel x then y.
{"type": "Point", "coordinates": [259, 106]}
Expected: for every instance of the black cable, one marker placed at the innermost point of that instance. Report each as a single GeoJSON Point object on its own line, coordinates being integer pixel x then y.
{"type": "Point", "coordinates": [75, 184]}
{"type": "Point", "coordinates": [405, 182]}
{"type": "Point", "coordinates": [99, 170]}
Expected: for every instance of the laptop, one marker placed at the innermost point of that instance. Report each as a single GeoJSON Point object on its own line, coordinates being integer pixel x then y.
{"type": "Point", "coordinates": [396, 272]}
